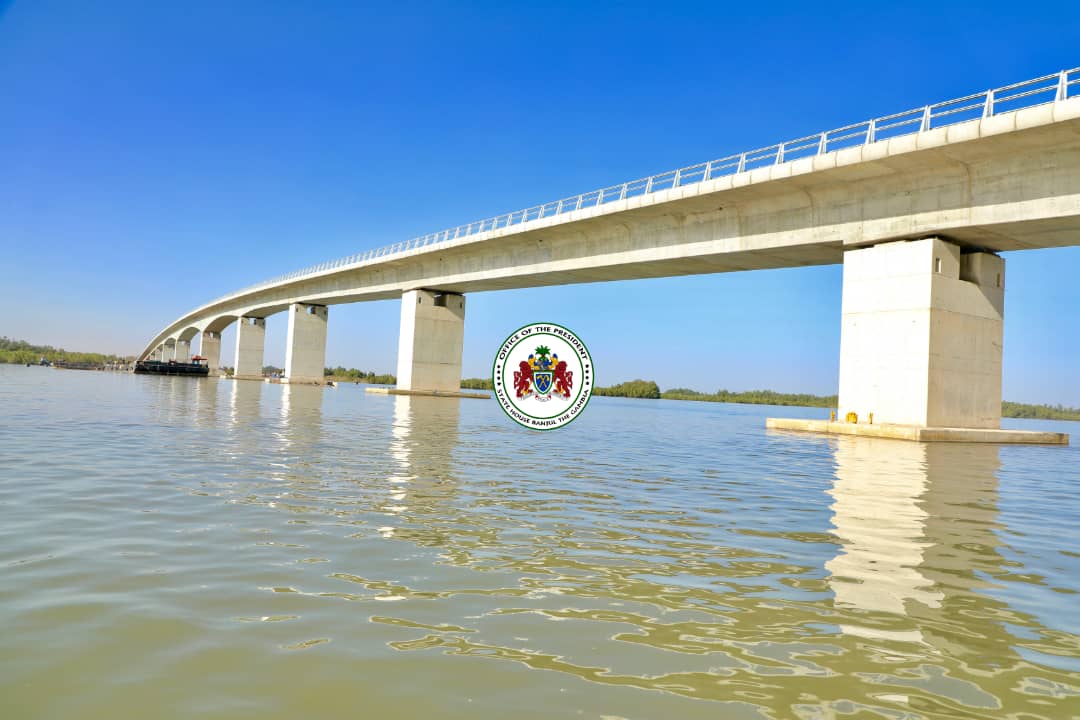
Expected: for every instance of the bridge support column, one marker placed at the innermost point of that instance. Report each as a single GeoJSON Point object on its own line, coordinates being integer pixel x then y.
{"type": "Point", "coordinates": [922, 335]}
{"type": "Point", "coordinates": [250, 339]}
{"type": "Point", "coordinates": [182, 352]}
{"type": "Point", "coordinates": [920, 347]}
{"type": "Point", "coordinates": [305, 351]}
{"type": "Point", "coordinates": [430, 343]}
{"type": "Point", "coordinates": [210, 348]}
{"type": "Point", "coordinates": [168, 351]}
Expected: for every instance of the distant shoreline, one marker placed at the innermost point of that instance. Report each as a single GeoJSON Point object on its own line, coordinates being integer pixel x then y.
{"type": "Point", "coordinates": [648, 389]}
{"type": "Point", "coordinates": [20, 352]}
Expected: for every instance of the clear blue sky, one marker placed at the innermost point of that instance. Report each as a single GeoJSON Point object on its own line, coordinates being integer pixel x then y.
{"type": "Point", "coordinates": [156, 155]}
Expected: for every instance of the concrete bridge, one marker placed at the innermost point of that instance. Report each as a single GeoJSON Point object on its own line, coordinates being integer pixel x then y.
{"type": "Point", "coordinates": [916, 205]}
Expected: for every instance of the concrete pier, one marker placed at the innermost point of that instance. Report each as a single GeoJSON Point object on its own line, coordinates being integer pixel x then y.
{"type": "Point", "coordinates": [921, 335]}
{"type": "Point", "coordinates": [305, 350]}
{"type": "Point", "coordinates": [920, 347]}
{"type": "Point", "coordinates": [168, 350]}
{"type": "Point", "coordinates": [210, 348]}
{"type": "Point", "coordinates": [250, 340]}
{"type": "Point", "coordinates": [182, 352]}
{"type": "Point", "coordinates": [430, 343]}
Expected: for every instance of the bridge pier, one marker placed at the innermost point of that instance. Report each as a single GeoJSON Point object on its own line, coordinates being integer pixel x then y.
{"type": "Point", "coordinates": [182, 351]}
{"type": "Point", "coordinates": [210, 348]}
{"type": "Point", "coordinates": [250, 340]}
{"type": "Point", "coordinates": [920, 346]}
{"type": "Point", "coordinates": [921, 338]}
{"type": "Point", "coordinates": [430, 342]}
{"type": "Point", "coordinates": [168, 350]}
{"type": "Point", "coordinates": [305, 352]}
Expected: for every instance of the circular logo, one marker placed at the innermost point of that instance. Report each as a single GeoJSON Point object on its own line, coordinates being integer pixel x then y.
{"type": "Point", "coordinates": [543, 376]}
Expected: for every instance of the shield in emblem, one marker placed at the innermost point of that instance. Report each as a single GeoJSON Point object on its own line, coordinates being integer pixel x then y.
{"type": "Point", "coordinates": [542, 381]}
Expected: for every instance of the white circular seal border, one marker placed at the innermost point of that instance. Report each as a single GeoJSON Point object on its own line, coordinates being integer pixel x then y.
{"type": "Point", "coordinates": [577, 358]}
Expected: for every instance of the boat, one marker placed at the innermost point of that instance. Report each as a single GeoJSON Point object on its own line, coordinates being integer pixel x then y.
{"type": "Point", "coordinates": [196, 368]}
{"type": "Point", "coordinates": [64, 365]}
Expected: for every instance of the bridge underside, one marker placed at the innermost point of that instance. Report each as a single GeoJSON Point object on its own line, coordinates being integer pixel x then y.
{"type": "Point", "coordinates": [1009, 182]}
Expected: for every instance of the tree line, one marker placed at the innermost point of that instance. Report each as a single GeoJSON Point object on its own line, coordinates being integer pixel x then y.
{"type": "Point", "coordinates": [753, 397]}
{"type": "Point", "coordinates": [341, 374]}
{"type": "Point", "coordinates": [21, 352]}
{"type": "Point", "coordinates": [632, 389]}
{"type": "Point", "coordinates": [649, 389]}
{"type": "Point", "coordinates": [1040, 412]}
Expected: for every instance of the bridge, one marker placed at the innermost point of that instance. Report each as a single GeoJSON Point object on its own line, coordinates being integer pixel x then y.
{"type": "Point", "coordinates": [917, 206]}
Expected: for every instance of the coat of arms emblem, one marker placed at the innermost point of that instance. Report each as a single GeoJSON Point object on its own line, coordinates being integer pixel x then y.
{"type": "Point", "coordinates": [542, 376]}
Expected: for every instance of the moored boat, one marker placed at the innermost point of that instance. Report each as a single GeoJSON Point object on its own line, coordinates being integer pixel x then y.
{"type": "Point", "coordinates": [197, 367]}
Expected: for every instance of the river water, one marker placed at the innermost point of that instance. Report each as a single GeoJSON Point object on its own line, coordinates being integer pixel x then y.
{"type": "Point", "coordinates": [179, 548]}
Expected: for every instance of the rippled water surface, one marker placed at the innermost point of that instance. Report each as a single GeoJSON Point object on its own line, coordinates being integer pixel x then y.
{"type": "Point", "coordinates": [177, 548]}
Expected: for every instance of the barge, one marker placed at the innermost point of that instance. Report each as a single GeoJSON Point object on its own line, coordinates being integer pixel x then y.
{"type": "Point", "coordinates": [196, 368]}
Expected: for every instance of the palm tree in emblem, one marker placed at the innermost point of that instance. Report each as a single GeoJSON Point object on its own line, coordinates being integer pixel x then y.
{"type": "Point", "coordinates": [542, 360]}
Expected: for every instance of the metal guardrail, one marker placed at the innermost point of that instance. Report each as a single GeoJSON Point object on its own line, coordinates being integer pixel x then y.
{"type": "Point", "coordinates": [1029, 93]}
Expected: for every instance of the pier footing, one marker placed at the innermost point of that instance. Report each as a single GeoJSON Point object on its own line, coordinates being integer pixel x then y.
{"type": "Point", "coordinates": [920, 434]}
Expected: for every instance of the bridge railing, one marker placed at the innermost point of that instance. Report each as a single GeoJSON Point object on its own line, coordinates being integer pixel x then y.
{"type": "Point", "coordinates": [1029, 93]}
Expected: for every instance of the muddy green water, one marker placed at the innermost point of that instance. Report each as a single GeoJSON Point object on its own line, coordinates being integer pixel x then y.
{"type": "Point", "coordinates": [178, 548]}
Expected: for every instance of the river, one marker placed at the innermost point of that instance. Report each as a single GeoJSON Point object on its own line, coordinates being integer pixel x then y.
{"type": "Point", "coordinates": [182, 548]}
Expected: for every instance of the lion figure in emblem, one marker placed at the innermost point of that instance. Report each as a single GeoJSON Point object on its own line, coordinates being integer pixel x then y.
{"type": "Point", "coordinates": [523, 380]}
{"type": "Point", "coordinates": [563, 378]}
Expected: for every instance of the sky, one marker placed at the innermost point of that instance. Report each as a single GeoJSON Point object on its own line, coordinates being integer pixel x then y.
{"type": "Point", "coordinates": [154, 156]}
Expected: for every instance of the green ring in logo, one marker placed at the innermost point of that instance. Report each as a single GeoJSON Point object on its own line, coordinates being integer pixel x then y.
{"type": "Point", "coordinates": [543, 381]}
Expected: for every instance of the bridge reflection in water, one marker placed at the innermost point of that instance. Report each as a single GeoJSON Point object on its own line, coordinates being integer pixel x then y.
{"type": "Point", "coordinates": [423, 437]}
{"type": "Point", "coordinates": [880, 517]}
{"type": "Point", "coordinates": [919, 570]}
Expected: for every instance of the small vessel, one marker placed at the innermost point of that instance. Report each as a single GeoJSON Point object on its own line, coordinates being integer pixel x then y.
{"type": "Point", "coordinates": [197, 367]}
{"type": "Point", "coordinates": [64, 365]}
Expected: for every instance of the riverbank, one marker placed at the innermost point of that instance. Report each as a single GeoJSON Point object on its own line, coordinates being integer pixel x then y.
{"type": "Point", "coordinates": [648, 389]}
{"type": "Point", "coordinates": [20, 352]}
